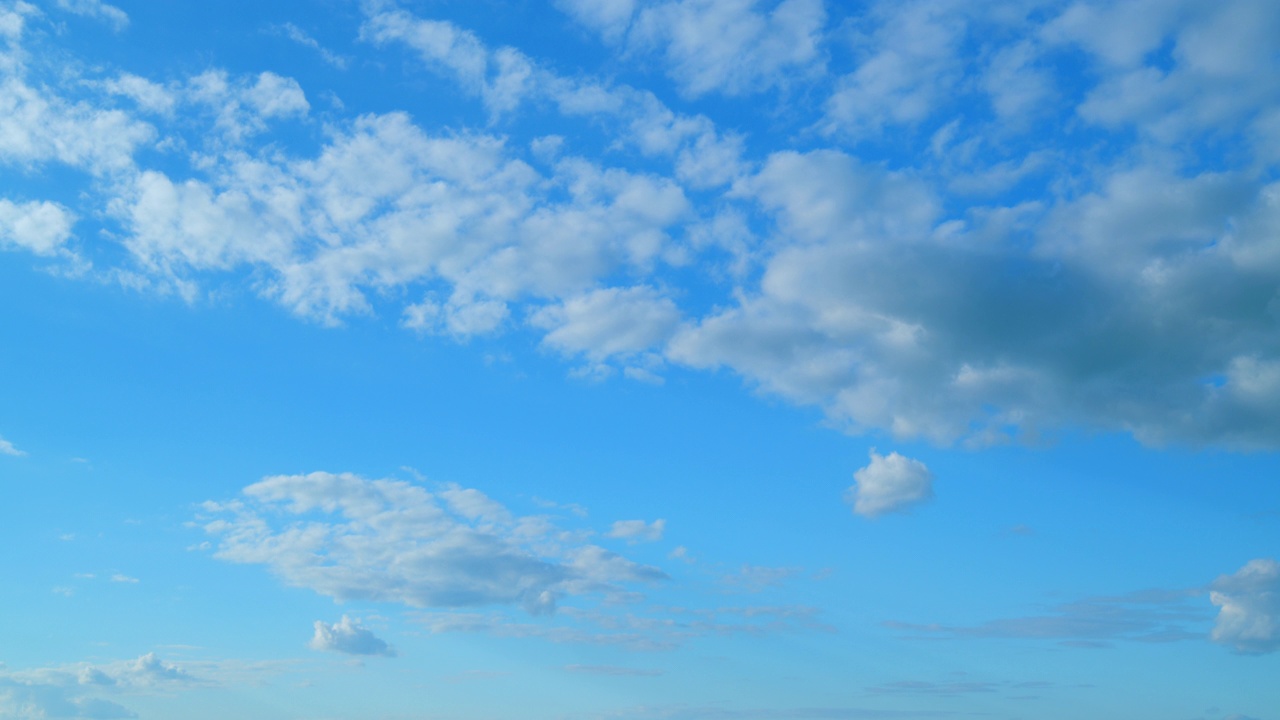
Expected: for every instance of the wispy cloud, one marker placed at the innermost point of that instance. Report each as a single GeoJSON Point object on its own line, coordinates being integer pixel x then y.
{"type": "Point", "coordinates": [393, 541]}
{"type": "Point", "coordinates": [7, 448]}
{"type": "Point", "coordinates": [1150, 616]}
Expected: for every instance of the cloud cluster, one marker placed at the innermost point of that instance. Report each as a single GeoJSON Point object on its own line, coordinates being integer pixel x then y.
{"type": "Point", "coordinates": [352, 538]}
{"type": "Point", "coordinates": [992, 279]}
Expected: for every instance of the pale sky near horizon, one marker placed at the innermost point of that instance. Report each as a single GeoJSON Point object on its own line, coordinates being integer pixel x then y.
{"type": "Point", "coordinates": [640, 359]}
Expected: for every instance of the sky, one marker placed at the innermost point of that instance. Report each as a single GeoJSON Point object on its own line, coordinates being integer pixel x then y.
{"type": "Point", "coordinates": [640, 359]}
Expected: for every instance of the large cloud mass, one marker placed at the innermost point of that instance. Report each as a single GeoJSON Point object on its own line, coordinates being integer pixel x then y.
{"type": "Point", "coordinates": [959, 245]}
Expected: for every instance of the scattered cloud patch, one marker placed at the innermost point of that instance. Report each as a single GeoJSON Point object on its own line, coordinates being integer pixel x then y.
{"type": "Point", "coordinates": [98, 10]}
{"type": "Point", "coordinates": [1248, 604]}
{"type": "Point", "coordinates": [634, 531]}
{"type": "Point", "coordinates": [348, 636]}
{"type": "Point", "coordinates": [351, 538]}
{"type": "Point", "coordinates": [731, 47]}
{"type": "Point", "coordinates": [891, 483]}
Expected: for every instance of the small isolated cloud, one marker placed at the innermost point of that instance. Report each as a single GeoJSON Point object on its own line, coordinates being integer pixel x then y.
{"type": "Point", "coordinates": [634, 531]}
{"type": "Point", "coordinates": [98, 10]}
{"type": "Point", "coordinates": [7, 448]}
{"type": "Point", "coordinates": [122, 578]}
{"type": "Point", "coordinates": [890, 483]}
{"type": "Point", "coordinates": [1249, 608]}
{"type": "Point", "coordinates": [348, 636]}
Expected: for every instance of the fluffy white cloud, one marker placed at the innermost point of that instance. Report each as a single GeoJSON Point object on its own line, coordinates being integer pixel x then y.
{"type": "Point", "coordinates": [1249, 608]}
{"type": "Point", "coordinates": [348, 636]}
{"type": "Point", "coordinates": [889, 483]}
{"type": "Point", "coordinates": [638, 530]}
{"type": "Point", "coordinates": [910, 63]}
{"type": "Point", "coordinates": [7, 448]}
{"type": "Point", "coordinates": [607, 322]}
{"type": "Point", "coordinates": [386, 540]}
{"type": "Point", "coordinates": [41, 227]}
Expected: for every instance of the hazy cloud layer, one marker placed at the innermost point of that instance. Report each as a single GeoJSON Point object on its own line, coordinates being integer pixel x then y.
{"type": "Point", "coordinates": [77, 691]}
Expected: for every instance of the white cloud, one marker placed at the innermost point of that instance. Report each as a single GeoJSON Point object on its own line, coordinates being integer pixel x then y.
{"type": "Point", "coordinates": [731, 46]}
{"type": "Point", "coordinates": [348, 636]}
{"type": "Point", "coordinates": [607, 322]}
{"type": "Point", "coordinates": [910, 65]}
{"type": "Point", "coordinates": [890, 483]}
{"type": "Point", "coordinates": [37, 127]}
{"type": "Point", "coordinates": [148, 95]}
{"type": "Point", "coordinates": [725, 46]}
{"type": "Point", "coordinates": [41, 227]}
{"type": "Point", "coordinates": [635, 531]}
{"type": "Point", "coordinates": [98, 10]}
{"type": "Point", "coordinates": [243, 106]}
{"type": "Point", "coordinates": [7, 448]}
{"type": "Point", "coordinates": [859, 287]}
{"type": "Point", "coordinates": [1249, 608]}
{"type": "Point", "coordinates": [391, 541]}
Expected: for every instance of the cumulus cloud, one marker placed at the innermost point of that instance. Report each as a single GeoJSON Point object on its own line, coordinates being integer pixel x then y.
{"type": "Point", "coordinates": [890, 483]}
{"type": "Point", "coordinates": [351, 538]}
{"type": "Point", "coordinates": [348, 636]}
{"type": "Point", "coordinates": [1249, 608]}
{"type": "Point", "coordinates": [635, 531]}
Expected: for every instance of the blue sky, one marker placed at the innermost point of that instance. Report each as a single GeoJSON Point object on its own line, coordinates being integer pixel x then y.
{"type": "Point", "coordinates": [640, 360]}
